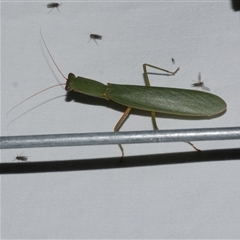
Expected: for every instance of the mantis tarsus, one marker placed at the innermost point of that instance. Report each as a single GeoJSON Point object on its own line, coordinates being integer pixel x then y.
{"type": "Point", "coordinates": [178, 102]}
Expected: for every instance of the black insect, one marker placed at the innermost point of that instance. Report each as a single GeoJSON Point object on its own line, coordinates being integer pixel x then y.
{"type": "Point", "coordinates": [53, 5]}
{"type": "Point", "coordinates": [21, 158]}
{"type": "Point", "coordinates": [95, 37]}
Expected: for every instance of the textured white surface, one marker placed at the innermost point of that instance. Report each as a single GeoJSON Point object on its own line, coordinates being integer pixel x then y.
{"type": "Point", "coordinates": [173, 201]}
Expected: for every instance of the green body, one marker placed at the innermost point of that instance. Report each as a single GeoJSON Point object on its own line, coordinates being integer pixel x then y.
{"type": "Point", "coordinates": [157, 99]}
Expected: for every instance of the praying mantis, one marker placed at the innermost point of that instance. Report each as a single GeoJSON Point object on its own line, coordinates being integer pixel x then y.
{"type": "Point", "coordinates": [173, 101]}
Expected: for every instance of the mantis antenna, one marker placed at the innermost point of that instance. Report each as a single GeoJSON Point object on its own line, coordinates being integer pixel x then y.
{"type": "Point", "coordinates": [60, 84]}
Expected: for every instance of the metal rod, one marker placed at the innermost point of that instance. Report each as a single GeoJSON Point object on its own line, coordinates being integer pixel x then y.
{"type": "Point", "coordinates": [104, 138]}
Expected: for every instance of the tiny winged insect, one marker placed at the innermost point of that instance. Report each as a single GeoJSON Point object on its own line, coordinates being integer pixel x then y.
{"type": "Point", "coordinates": [95, 37]}
{"type": "Point", "coordinates": [21, 158]}
{"type": "Point", "coordinates": [200, 83]}
{"type": "Point", "coordinates": [172, 101]}
{"type": "Point", "coordinates": [53, 5]}
{"type": "Point", "coordinates": [173, 60]}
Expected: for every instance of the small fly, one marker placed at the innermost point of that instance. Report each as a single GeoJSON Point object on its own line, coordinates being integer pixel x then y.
{"type": "Point", "coordinates": [53, 5]}
{"type": "Point", "coordinates": [21, 158]}
{"type": "Point", "coordinates": [200, 83]}
{"type": "Point", "coordinates": [95, 37]}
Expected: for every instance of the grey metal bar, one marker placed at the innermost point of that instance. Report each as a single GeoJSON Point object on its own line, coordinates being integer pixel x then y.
{"type": "Point", "coordinates": [104, 138]}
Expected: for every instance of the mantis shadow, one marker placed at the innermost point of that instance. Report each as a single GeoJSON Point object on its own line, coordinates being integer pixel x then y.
{"type": "Point", "coordinates": [127, 162]}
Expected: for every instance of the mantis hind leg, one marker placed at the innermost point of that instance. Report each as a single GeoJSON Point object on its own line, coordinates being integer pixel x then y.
{"type": "Point", "coordinates": [147, 82]}
{"type": "Point", "coordinates": [119, 124]}
{"type": "Point", "coordinates": [155, 127]}
{"type": "Point", "coordinates": [145, 73]}
{"type": "Point", "coordinates": [197, 149]}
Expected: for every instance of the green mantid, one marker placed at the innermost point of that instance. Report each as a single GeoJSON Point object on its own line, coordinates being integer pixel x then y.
{"type": "Point", "coordinates": [173, 101]}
